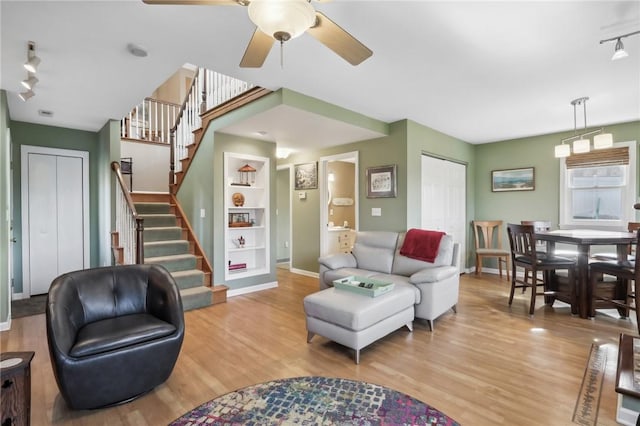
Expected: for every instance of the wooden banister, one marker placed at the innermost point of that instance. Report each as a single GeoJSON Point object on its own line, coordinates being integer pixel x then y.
{"type": "Point", "coordinates": [139, 255]}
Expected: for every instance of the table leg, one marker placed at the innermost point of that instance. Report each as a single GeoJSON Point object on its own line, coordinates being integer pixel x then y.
{"type": "Point", "coordinates": [584, 295]}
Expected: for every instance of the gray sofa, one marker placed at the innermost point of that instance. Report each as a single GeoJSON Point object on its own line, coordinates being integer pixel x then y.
{"type": "Point", "coordinates": [376, 254]}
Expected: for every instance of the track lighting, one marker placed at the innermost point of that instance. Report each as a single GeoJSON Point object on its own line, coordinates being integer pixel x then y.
{"type": "Point", "coordinates": [32, 60]}
{"type": "Point", "coordinates": [619, 51]}
{"type": "Point", "coordinates": [26, 95]}
{"type": "Point", "coordinates": [30, 82]}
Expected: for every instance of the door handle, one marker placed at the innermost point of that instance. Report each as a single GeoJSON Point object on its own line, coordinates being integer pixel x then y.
{"type": "Point", "coordinates": [13, 240]}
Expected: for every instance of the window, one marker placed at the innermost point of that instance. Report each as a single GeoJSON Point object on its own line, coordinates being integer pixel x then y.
{"type": "Point", "coordinates": [598, 189]}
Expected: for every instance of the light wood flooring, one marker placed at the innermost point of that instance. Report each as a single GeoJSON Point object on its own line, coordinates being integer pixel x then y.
{"type": "Point", "coordinates": [485, 365]}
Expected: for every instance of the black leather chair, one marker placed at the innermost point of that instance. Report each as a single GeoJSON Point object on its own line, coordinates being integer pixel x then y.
{"type": "Point", "coordinates": [114, 333]}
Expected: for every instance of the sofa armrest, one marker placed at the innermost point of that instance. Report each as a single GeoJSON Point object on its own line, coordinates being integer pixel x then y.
{"type": "Point", "coordinates": [338, 260]}
{"type": "Point", "coordinates": [431, 275]}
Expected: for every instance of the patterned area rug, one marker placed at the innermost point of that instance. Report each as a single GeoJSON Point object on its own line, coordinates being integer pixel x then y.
{"type": "Point", "coordinates": [315, 401]}
{"type": "Point", "coordinates": [588, 402]}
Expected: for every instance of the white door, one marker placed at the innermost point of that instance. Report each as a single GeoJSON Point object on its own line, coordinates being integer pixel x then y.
{"type": "Point", "coordinates": [55, 215]}
{"type": "Point", "coordinates": [444, 199]}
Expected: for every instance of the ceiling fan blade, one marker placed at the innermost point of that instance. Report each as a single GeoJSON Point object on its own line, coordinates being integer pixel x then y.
{"type": "Point", "coordinates": [195, 2]}
{"type": "Point", "coordinates": [337, 39]}
{"type": "Point", "coordinates": [257, 50]}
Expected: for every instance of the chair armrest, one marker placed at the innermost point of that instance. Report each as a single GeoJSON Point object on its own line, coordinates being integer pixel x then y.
{"type": "Point", "coordinates": [338, 260]}
{"type": "Point", "coordinates": [163, 298]}
{"type": "Point", "coordinates": [431, 275]}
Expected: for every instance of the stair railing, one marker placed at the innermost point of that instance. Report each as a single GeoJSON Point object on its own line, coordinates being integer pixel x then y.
{"type": "Point", "coordinates": [150, 121]}
{"type": "Point", "coordinates": [129, 225]}
{"type": "Point", "coordinates": [208, 90]}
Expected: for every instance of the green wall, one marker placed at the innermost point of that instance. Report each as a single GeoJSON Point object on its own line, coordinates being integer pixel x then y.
{"type": "Point", "coordinates": [54, 137]}
{"type": "Point", "coordinates": [5, 232]}
{"type": "Point", "coordinates": [108, 151]}
{"type": "Point", "coordinates": [283, 195]}
{"type": "Point", "coordinates": [538, 152]}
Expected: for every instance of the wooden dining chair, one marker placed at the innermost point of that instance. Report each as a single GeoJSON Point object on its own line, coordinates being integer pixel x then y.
{"type": "Point", "coordinates": [631, 227]}
{"type": "Point", "coordinates": [488, 235]}
{"type": "Point", "coordinates": [623, 294]}
{"type": "Point", "coordinates": [541, 246]}
{"type": "Point", "coordinates": [522, 241]}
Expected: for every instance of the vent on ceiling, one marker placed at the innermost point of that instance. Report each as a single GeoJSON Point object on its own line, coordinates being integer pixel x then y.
{"type": "Point", "coordinates": [45, 113]}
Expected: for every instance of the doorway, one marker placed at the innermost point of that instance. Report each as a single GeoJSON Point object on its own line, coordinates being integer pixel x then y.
{"type": "Point", "coordinates": [444, 206]}
{"type": "Point", "coordinates": [55, 215]}
{"type": "Point", "coordinates": [339, 215]}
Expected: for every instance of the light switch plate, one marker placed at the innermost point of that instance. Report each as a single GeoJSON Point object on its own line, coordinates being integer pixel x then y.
{"type": "Point", "coordinates": [302, 195]}
{"type": "Point", "coordinates": [202, 213]}
{"type": "Point", "coordinates": [376, 211]}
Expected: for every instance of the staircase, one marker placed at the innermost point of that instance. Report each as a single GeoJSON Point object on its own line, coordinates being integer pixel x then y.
{"type": "Point", "coordinates": [166, 244]}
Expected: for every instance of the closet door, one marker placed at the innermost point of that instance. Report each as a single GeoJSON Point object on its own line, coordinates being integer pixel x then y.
{"type": "Point", "coordinates": [444, 199]}
{"type": "Point", "coordinates": [55, 219]}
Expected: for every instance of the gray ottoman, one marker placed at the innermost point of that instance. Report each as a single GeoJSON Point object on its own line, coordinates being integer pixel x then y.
{"type": "Point", "coordinates": [356, 320]}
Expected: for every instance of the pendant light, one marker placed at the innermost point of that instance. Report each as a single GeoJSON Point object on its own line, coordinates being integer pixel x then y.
{"type": "Point", "coordinates": [581, 144]}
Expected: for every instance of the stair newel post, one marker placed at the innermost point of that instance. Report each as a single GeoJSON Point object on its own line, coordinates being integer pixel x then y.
{"type": "Point", "coordinates": [139, 240]}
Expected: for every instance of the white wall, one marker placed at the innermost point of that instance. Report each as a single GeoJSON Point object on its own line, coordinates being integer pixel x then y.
{"type": "Point", "coordinates": [150, 165]}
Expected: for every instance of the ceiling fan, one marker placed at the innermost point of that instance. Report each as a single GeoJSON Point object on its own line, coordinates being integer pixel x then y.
{"type": "Point", "coordinates": [283, 20]}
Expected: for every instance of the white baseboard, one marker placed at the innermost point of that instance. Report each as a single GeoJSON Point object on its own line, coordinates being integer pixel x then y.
{"type": "Point", "coordinates": [19, 296]}
{"type": "Point", "coordinates": [305, 273]}
{"type": "Point", "coordinates": [6, 325]}
{"type": "Point", "coordinates": [251, 289]}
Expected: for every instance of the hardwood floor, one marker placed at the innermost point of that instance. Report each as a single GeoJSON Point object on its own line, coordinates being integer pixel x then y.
{"type": "Point", "coordinates": [485, 365]}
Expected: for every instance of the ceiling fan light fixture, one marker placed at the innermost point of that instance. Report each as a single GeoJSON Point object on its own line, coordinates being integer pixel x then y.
{"type": "Point", "coordinates": [286, 18]}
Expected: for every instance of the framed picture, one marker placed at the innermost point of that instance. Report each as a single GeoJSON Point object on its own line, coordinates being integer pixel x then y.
{"type": "Point", "coordinates": [381, 181]}
{"type": "Point", "coordinates": [239, 220]}
{"type": "Point", "coordinates": [513, 180]}
{"type": "Point", "coordinates": [306, 176]}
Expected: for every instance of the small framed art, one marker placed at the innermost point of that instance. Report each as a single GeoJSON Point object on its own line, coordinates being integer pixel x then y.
{"type": "Point", "coordinates": [306, 176]}
{"type": "Point", "coordinates": [513, 180]}
{"type": "Point", "coordinates": [381, 181]}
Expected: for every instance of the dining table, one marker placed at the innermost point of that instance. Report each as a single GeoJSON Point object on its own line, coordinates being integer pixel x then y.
{"type": "Point", "coordinates": [583, 239]}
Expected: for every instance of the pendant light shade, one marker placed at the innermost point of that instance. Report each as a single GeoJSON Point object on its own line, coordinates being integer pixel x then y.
{"type": "Point", "coordinates": [604, 140]}
{"type": "Point", "coordinates": [24, 96]}
{"type": "Point", "coordinates": [562, 150]}
{"type": "Point", "coordinates": [581, 146]}
{"type": "Point", "coordinates": [282, 19]}
{"type": "Point", "coordinates": [619, 52]}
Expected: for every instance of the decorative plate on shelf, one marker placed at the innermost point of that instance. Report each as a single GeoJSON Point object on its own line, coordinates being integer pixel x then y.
{"type": "Point", "coordinates": [238, 199]}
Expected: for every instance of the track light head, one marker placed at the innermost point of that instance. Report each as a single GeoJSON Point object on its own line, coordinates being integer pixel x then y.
{"type": "Point", "coordinates": [25, 96]}
{"type": "Point", "coordinates": [619, 51]}
{"type": "Point", "coordinates": [32, 60]}
{"type": "Point", "coordinates": [30, 82]}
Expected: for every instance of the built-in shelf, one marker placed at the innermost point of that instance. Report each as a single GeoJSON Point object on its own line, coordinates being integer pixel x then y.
{"type": "Point", "coordinates": [255, 210]}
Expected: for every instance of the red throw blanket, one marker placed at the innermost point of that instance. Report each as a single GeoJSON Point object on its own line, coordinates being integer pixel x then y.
{"type": "Point", "coordinates": [422, 244]}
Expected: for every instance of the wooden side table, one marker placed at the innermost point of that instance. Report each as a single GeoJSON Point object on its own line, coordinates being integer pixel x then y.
{"type": "Point", "coordinates": [15, 372]}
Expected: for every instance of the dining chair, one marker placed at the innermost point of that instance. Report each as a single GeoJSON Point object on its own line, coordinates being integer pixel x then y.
{"type": "Point", "coordinates": [631, 227]}
{"type": "Point", "coordinates": [541, 246]}
{"type": "Point", "coordinates": [623, 293]}
{"type": "Point", "coordinates": [522, 241]}
{"type": "Point", "coordinates": [488, 240]}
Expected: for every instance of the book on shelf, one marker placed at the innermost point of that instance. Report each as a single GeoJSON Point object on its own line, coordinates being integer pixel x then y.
{"type": "Point", "coordinates": [236, 266]}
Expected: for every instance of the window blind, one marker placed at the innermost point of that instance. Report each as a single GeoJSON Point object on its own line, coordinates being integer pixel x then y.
{"type": "Point", "coordinates": [599, 157]}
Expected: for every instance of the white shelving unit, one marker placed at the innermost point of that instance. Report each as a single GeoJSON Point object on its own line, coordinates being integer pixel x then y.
{"type": "Point", "coordinates": [254, 254]}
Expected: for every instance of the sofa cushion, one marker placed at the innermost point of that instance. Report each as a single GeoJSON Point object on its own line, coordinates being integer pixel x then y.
{"type": "Point", "coordinates": [403, 265]}
{"type": "Point", "coordinates": [355, 311]}
{"type": "Point", "coordinates": [374, 250]}
{"type": "Point", "coordinates": [119, 332]}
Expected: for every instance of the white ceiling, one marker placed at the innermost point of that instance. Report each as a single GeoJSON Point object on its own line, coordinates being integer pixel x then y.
{"type": "Point", "coordinates": [478, 71]}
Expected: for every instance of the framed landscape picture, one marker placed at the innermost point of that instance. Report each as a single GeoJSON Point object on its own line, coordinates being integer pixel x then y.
{"type": "Point", "coordinates": [381, 181]}
{"type": "Point", "coordinates": [306, 176]}
{"type": "Point", "coordinates": [513, 180]}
